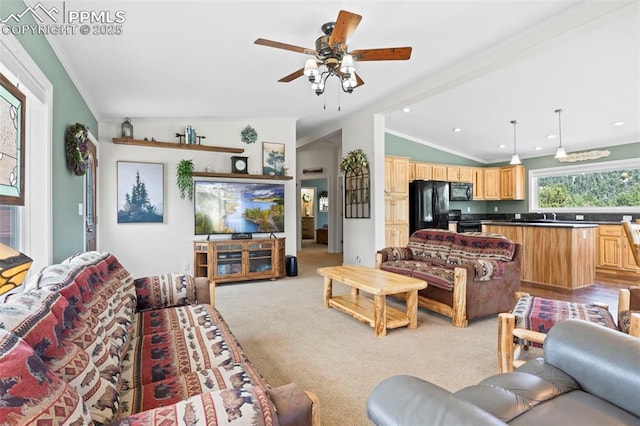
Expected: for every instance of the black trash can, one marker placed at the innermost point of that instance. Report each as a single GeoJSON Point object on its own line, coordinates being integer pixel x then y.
{"type": "Point", "coordinates": [291, 266]}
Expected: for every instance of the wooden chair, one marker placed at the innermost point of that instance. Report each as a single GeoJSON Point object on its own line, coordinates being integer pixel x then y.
{"type": "Point", "coordinates": [629, 311]}
{"type": "Point", "coordinates": [633, 235]}
{"type": "Point", "coordinates": [513, 338]}
{"type": "Point", "coordinates": [629, 301]}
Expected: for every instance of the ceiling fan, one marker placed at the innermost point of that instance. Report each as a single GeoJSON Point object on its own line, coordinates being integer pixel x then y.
{"type": "Point", "coordinates": [332, 57]}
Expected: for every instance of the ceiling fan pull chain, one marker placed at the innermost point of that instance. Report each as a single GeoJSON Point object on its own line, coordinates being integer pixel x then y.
{"type": "Point", "coordinates": [324, 101]}
{"type": "Point", "coordinates": [339, 99]}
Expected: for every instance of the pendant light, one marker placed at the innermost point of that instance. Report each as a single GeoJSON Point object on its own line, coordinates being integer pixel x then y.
{"type": "Point", "coordinates": [515, 159]}
{"type": "Point", "coordinates": [560, 153]}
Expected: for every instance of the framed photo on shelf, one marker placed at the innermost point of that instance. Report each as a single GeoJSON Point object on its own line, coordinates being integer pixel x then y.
{"type": "Point", "coordinates": [12, 141]}
{"type": "Point", "coordinates": [140, 192]}
{"type": "Point", "coordinates": [273, 159]}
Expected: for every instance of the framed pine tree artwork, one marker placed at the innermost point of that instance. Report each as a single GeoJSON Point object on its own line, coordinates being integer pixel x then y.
{"type": "Point", "coordinates": [140, 192]}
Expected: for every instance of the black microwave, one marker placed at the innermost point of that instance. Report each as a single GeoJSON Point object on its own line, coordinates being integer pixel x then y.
{"type": "Point", "coordinates": [460, 191]}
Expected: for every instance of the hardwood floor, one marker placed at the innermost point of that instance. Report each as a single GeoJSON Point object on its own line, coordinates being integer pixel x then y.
{"type": "Point", "coordinates": [604, 290]}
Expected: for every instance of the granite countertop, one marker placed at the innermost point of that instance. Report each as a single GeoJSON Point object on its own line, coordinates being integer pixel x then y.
{"type": "Point", "coordinates": [544, 223]}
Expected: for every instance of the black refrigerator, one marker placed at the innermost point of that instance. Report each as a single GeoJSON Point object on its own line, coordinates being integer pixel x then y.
{"type": "Point", "coordinates": [428, 204]}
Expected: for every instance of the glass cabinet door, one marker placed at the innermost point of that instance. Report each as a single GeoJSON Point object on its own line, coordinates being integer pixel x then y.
{"type": "Point", "coordinates": [228, 259]}
{"type": "Point", "coordinates": [260, 257]}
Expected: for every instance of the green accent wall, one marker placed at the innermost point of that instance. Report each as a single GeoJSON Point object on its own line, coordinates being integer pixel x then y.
{"type": "Point", "coordinates": [68, 108]}
{"type": "Point", "coordinates": [402, 147]}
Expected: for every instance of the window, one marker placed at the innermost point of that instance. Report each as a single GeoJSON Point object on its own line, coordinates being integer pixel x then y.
{"type": "Point", "coordinates": [8, 226]}
{"type": "Point", "coordinates": [612, 186]}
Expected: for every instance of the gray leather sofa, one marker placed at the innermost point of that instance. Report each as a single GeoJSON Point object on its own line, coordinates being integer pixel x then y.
{"type": "Point", "coordinates": [590, 375]}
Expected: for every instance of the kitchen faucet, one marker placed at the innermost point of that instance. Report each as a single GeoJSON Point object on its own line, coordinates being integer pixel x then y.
{"type": "Point", "coordinates": [554, 216]}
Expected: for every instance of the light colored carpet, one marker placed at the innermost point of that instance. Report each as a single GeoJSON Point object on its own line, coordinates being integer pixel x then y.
{"type": "Point", "coordinates": [290, 336]}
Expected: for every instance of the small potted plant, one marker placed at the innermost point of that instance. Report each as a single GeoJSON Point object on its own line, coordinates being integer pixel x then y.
{"type": "Point", "coordinates": [354, 160]}
{"type": "Point", "coordinates": [184, 177]}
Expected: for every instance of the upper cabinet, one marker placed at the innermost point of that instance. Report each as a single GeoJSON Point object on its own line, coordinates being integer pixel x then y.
{"type": "Point", "coordinates": [489, 183]}
{"type": "Point", "coordinates": [396, 175]}
{"type": "Point", "coordinates": [512, 183]}
{"type": "Point", "coordinates": [439, 172]}
{"type": "Point", "coordinates": [478, 183]}
{"type": "Point", "coordinates": [459, 174]}
{"type": "Point", "coordinates": [492, 183]}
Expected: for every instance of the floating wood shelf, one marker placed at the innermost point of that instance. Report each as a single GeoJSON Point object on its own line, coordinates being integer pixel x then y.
{"type": "Point", "coordinates": [240, 176]}
{"type": "Point", "coordinates": [157, 144]}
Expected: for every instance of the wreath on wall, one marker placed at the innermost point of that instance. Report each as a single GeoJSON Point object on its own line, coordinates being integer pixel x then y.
{"type": "Point", "coordinates": [249, 135]}
{"type": "Point", "coordinates": [77, 146]}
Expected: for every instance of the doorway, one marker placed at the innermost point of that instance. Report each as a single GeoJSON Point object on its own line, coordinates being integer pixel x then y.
{"type": "Point", "coordinates": [315, 212]}
{"type": "Point", "coordinates": [90, 189]}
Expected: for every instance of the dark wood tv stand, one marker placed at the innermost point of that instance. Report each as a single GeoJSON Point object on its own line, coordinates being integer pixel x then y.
{"type": "Point", "coordinates": [239, 260]}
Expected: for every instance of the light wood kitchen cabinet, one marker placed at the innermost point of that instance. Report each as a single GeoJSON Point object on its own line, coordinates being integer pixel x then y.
{"type": "Point", "coordinates": [613, 250]}
{"type": "Point", "coordinates": [459, 174]}
{"type": "Point", "coordinates": [412, 171]}
{"type": "Point", "coordinates": [396, 219]}
{"type": "Point", "coordinates": [492, 183]}
{"type": "Point", "coordinates": [396, 175]}
{"type": "Point", "coordinates": [557, 256]}
{"type": "Point", "coordinates": [396, 201]}
{"type": "Point", "coordinates": [424, 171]}
{"type": "Point", "coordinates": [478, 183]}
{"type": "Point", "coordinates": [439, 172]}
{"type": "Point", "coordinates": [512, 183]}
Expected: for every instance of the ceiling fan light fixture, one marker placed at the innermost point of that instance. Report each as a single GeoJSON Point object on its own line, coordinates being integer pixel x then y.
{"type": "Point", "coordinates": [347, 66]}
{"type": "Point", "coordinates": [311, 68]}
{"type": "Point", "coordinates": [514, 158]}
{"type": "Point", "coordinates": [350, 83]}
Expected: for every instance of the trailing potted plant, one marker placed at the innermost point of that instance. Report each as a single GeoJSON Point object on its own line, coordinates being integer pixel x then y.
{"type": "Point", "coordinates": [353, 160]}
{"type": "Point", "coordinates": [184, 177]}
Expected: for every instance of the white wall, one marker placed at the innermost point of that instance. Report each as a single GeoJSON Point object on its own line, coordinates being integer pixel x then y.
{"type": "Point", "coordinates": [362, 237]}
{"type": "Point", "coordinates": [168, 247]}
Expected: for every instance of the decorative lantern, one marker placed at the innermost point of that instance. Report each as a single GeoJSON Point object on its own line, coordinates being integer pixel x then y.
{"type": "Point", "coordinates": [127, 129]}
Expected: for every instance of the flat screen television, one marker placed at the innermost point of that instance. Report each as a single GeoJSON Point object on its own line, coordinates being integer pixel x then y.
{"type": "Point", "coordinates": [231, 207]}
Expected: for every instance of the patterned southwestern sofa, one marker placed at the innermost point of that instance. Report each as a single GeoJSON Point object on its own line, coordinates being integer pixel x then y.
{"type": "Point", "coordinates": [470, 275]}
{"type": "Point", "coordinates": [87, 344]}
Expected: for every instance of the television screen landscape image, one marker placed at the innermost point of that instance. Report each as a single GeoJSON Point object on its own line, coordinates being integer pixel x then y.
{"type": "Point", "coordinates": [230, 207]}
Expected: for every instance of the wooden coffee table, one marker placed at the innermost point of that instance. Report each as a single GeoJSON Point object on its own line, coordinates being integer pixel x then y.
{"type": "Point", "coordinates": [378, 283]}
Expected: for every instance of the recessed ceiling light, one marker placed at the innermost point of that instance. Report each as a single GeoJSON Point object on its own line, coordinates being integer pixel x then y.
{"type": "Point", "coordinates": [406, 109]}
{"type": "Point", "coordinates": [551, 136]}
{"type": "Point", "coordinates": [502, 146]}
{"type": "Point", "coordinates": [457, 129]}
{"type": "Point", "coordinates": [618, 123]}
{"type": "Point", "coordinates": [538, 148]}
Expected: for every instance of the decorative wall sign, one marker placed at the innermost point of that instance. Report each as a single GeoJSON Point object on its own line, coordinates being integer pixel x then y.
{"type": "Point", "coordinates": [140, 192]}
{"type": "Point", "coordinates": [583, 156]}
{"type": "Point", "coordinates": [12, 141]}
{"type": "Point", "coordinates": [272, 159]}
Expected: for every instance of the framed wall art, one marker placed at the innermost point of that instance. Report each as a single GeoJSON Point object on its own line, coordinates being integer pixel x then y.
{"type": "Point", "coordinates": [272, 159]}
{"type": "Point", "coordinates": [12, 143]}
{"type": "Point", "coordinates": [140, 192]}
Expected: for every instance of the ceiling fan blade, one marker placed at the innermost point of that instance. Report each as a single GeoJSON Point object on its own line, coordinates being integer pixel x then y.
{"type": "Point", "coordinates": [285, 46]}
{"type": "Point", "coordinates": [346, 24]}
{"type": "Point", "coordinates": [385, 54]}
{"type": "Point", "coordinates": [359, 81]}
{"type": "Point", "coordinates": [292, 76]}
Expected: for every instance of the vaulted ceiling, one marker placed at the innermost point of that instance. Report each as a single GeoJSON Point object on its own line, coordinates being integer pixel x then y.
{"type": "Point", "coordinates": [476, 65]}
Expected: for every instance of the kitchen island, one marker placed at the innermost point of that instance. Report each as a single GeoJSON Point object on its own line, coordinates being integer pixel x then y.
{"type": "Point", "coordinates": [557, 254]}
